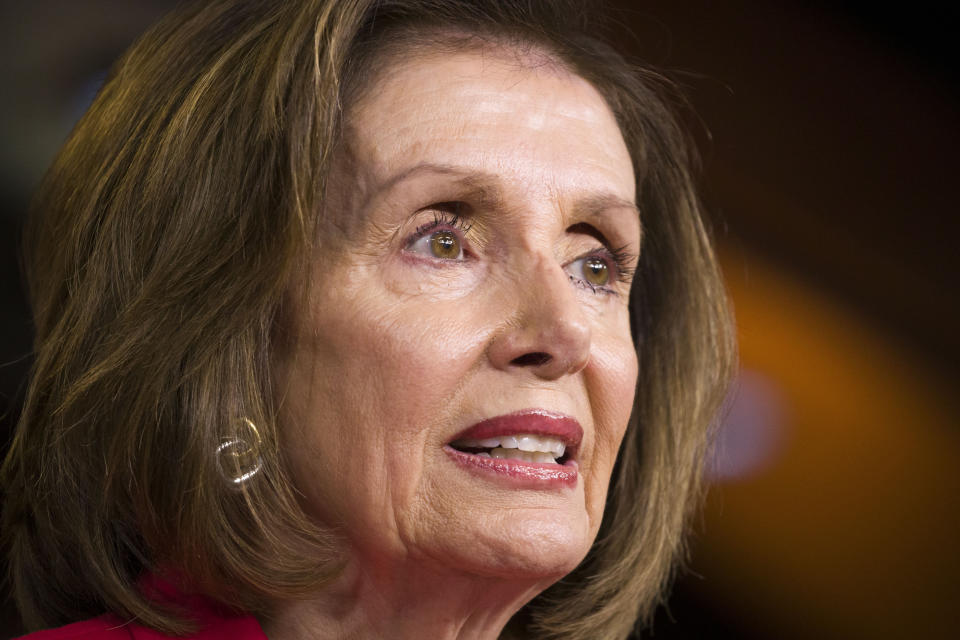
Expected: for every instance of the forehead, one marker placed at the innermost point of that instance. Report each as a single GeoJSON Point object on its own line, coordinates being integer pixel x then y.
{"type": "Point", "coordinates": [517, 114]}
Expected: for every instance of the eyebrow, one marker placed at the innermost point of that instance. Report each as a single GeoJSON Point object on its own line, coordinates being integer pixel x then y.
{"type": "Point", "coordinates": [431, 167]}
{"type": "Point", "coordinates": [483, 182]}
{"type": "Point", "coordinates": [480, 181]}
{"type": "Point", "coordinates": [595, 203]}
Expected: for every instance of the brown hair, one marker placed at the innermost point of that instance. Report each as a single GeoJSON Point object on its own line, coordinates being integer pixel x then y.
{"type": "Point", "coordinates": [161, 244]}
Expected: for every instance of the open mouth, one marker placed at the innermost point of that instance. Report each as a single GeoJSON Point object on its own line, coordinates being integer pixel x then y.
{"type": "Point", "coordinates": [522, 447]}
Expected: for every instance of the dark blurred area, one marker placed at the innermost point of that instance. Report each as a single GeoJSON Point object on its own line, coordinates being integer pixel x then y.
{"type": "Point", "coordinates": [829, 138]}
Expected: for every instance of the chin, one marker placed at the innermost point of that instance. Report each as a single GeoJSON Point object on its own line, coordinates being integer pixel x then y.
{"type": "Point", "coordinates": [534, 548]}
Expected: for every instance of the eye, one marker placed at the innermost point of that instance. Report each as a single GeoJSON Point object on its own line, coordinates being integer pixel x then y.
{"type": "Point", "coordinates": [604, 269]}
{"type": "Point", "coordinates": [593, 271]}
{"type": "Point", "coordinates": [442, 238]}
{"type": "Point", "coordinates": [443, 244]}
{"type": "Point", "coordinates": [596, 271]}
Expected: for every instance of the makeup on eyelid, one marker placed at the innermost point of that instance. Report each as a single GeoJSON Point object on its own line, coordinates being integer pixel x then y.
{"type": "Point", "coordinates": [444, 238]}
{"type": "Point", "coordinates": [469, 297]}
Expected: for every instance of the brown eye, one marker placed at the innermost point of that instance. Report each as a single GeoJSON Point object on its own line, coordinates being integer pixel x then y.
{"type": "Point", "coordinates": [596, 271]}
{"type": "Point", "coordinates": [445, 245]}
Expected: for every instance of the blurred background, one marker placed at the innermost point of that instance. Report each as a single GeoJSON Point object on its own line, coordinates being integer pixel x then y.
{"type": "Point", "coordinates": [829, 137]}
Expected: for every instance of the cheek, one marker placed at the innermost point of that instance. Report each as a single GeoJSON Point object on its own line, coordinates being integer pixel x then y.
{"type": "Point", "coordinates": [614, 369]}
{"type": "Point", "coordinates": [375, 375]}
{"type": "Point", "coordinates": [617, 399]}
{"type": "Point", "coordinates": [612, 398]}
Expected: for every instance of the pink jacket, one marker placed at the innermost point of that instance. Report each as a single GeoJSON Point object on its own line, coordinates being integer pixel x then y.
{"type": "Point", "coordinates": [214, 622]}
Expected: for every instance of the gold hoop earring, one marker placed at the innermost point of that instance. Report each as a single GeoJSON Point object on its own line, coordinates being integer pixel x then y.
{"type": "Point", "coordinates": [238, 458]}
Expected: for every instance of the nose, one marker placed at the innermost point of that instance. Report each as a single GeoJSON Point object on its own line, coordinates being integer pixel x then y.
{"type": "Point", "coordinates": [547, 331]}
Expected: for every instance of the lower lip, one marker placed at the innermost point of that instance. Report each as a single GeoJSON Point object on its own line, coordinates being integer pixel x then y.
{"type": "Point", "coordinates": [517, 473]}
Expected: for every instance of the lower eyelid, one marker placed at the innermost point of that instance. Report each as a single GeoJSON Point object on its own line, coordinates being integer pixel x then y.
{"type": "Point", "coordinates": [583, 284]}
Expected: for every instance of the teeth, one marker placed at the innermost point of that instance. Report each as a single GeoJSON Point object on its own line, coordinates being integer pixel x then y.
{"type": "Point", "coordinates": [526, 443]}
{"type": "Point", "coordinates": [539, 443]}
{"type": "Point", "coordinates": [525, 456]}
{"type": "Point", "coordinates": [508, 442]}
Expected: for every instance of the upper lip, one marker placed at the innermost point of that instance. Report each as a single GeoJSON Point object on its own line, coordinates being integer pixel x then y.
{"type": "Point", "coordinates": [537, 422]}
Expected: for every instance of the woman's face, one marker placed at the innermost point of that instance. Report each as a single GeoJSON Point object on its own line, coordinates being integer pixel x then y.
{"type": "Point", "coordinates": [471, 288]}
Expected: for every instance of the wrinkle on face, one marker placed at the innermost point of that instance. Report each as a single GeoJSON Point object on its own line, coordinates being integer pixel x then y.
{"type": "Point", "coordinates": [394, 349]}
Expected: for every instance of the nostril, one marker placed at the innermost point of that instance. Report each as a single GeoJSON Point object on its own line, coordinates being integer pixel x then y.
{"type": "Point", "coordinates": [532, 359]}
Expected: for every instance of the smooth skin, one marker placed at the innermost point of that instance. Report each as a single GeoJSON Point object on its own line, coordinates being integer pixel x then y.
{"type": "Point", "coordinates": [452, 286]}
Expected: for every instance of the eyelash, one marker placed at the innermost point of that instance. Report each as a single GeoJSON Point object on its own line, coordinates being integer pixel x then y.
{"type": "Point", "coordinates": [441, 219]}
{"type": "Point", "coordinates": [620, 259]}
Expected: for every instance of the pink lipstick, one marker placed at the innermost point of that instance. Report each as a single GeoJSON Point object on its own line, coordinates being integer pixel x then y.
{"type": "Point", "coordinates": [532, 448]}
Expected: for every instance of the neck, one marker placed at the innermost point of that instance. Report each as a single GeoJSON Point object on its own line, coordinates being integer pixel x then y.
{"type": "Point", "coordinates": [367, 601]}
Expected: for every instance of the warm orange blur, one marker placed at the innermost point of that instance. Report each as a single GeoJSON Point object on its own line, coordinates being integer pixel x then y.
{"type": "Point", "coordinates": [830, 173]}
{"type": "Point", "coordinates": [851, 531]}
